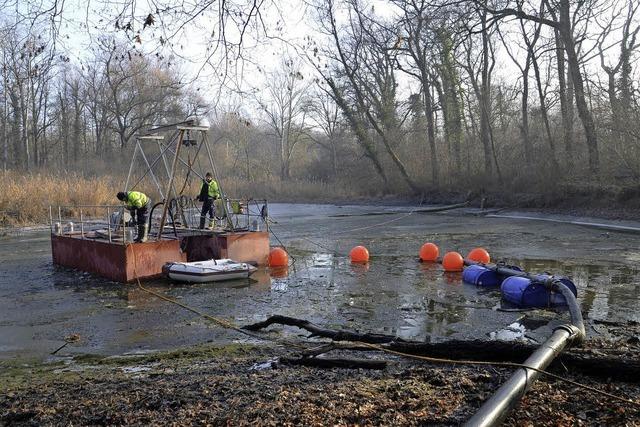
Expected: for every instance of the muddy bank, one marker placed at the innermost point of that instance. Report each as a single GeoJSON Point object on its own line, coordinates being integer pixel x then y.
{"type": "Point", "coordinates": [240, 385]}
{"type": "Point", "coordinates": [608, 202]}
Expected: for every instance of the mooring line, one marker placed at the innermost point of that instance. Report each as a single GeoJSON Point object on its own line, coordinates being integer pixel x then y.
{"type": "Point", "coordinates": [221, 322]}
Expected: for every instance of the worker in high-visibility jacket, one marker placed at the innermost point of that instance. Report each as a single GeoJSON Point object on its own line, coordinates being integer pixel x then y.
{"type": "Point", "coordinates": [138, 204]}
{"type": "Point", "coordinates": [209, 193]}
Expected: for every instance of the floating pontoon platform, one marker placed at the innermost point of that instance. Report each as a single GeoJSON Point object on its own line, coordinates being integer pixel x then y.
{"type": "Point", "coordinates": [128, 262]}
{"type": "Point", "coordinates": [105, 247]}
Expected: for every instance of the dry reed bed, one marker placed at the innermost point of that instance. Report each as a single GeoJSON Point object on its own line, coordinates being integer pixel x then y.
{"type": "Point", "coordinates": [25, 197]}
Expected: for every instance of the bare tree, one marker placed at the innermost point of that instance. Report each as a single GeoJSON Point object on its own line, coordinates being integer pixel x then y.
{"type": "Point", "coordinates": [560, 19]}
{"type": "Point", "coordinates": [325, 114]}
{"type": "Point", "coordinates": [141, 93]}
{"type": "Point", "coordinates": [365, 60]}
{"type": "Point", "coordinates": [286, 110]}
{"type": "Point", "coordinates": [418, 22]}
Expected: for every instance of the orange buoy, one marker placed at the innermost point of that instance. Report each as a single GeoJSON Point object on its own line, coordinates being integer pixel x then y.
{"type": "Point", "coordinates": [479, 255]}
{"type": "Point", "coordinates": [359, 254]}
{"type": "Point", "coordinates": [452, 261]}
{"type": "Point", "coordinates": [279, 272]}
{"type": "Point", "coordinates": [278, 257]}
{"type": "Point", "coordinates": [429, 252]}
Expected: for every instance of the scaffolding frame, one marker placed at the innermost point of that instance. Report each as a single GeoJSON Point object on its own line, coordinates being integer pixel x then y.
{"type": "Point", "coordinates": [170, 155]}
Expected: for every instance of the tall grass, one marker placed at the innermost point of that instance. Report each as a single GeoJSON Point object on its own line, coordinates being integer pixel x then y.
{"type": "Point", "coordinates": [25, 198]}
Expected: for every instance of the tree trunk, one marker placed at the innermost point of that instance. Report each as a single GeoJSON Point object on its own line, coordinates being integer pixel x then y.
{"type": "Point", "coordinates": [431, 138]}
{"type": "Point", "coordinates": [485, 100]}
{"type": "Point", "coordinates": [524, 129]}
{"type": "Point", "coordinates": [543, 112]}
{"type": "Point", "coordinates": [574, 68]}
{"type": "Point", "coordinates": [565, 100]}
{"type": "Point", "coordinates": [16, 133]}
{"type": "Point", "coordinates": [357, 127]}
{"type": "Point", "coordinates": [450, 101]}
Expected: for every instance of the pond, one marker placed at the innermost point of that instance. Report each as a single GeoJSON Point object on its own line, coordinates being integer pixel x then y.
{"type": "Point", "coordinates": [41, 304]}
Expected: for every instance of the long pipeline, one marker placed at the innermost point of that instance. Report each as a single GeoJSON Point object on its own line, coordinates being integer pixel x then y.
{"type": "Point", "coordinates": [498, 407]}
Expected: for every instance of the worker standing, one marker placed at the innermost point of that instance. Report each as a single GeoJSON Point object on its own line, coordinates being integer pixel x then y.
{"type": "Point", "coordinates": [138, 204]}
{"type": "Point", "coordinates": [209, 192]}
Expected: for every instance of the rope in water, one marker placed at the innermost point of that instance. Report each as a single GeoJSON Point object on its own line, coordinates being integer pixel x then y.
{"type": "Point", "coordinates": [219, 321]}
{"type": "Point", "coordinates": [230, 325]}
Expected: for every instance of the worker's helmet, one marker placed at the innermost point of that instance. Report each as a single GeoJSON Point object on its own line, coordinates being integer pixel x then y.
{"type": "Point", "coordinates": [122, 196]}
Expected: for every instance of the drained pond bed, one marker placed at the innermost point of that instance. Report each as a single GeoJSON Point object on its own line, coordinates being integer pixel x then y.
{"type": "Point", "coordinates": [78, 349]}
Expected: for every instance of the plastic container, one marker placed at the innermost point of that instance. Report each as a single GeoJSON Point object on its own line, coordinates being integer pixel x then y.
{"type": "Point", "coordinates": [532, 293]}
{"type": "Point", "coordinates": [481, 276]}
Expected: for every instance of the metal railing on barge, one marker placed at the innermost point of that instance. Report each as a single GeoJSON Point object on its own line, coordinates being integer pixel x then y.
{"type": "Point", "coordinates": [236, 215]}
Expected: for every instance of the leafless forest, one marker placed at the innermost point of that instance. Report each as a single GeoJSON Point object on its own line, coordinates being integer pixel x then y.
{"type": "Point", "coordinates": [395, 97]}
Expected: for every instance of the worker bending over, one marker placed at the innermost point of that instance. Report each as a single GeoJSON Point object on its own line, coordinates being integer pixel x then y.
{"type": "Point", "coordinates": [138, 204]}
{"type": "Point", "coordinates": [209, 192]}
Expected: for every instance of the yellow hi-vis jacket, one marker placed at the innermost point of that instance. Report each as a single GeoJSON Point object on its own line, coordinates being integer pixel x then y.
{"type": "Point", "coordinates": [209, 189]}
{"type": "Point", "coordinates": [136, 200]}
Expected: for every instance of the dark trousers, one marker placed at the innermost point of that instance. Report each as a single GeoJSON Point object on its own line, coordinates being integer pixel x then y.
{"type": "Point", "coordinates": [139, 215]}
{"type": "Point", "coordinates": [207, 207]}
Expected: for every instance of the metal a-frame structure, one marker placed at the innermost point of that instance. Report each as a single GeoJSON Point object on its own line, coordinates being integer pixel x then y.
{"type": "Point", "coordinates": [172, 141]}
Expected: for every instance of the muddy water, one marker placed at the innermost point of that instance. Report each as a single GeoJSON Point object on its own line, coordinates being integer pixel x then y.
{"type": "Point", "coordinates": [40, 303]}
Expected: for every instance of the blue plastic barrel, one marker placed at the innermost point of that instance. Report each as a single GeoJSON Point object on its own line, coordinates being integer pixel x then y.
{"type": "Point", "coordinates": [481, 276]}
{"type": "Point", "coordinates": [525, 292]}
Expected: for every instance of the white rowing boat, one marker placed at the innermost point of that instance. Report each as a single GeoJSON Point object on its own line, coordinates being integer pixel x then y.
{"type": "Point", "coordinates": [213, 270]}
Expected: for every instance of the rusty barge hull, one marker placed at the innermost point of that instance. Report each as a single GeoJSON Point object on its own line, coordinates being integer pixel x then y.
{"type": "Point", "coordinates": [126, 263]}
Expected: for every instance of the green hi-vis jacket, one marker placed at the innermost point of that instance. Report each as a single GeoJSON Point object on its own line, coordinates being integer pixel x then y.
{"type": "Point", "coordinates": [209, 189]}
{"type": "Point", "coordinates": [136, 200]}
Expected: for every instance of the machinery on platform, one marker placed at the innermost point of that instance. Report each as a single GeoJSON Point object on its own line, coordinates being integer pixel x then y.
{"type": "Point", "coordinates": [166, 162]}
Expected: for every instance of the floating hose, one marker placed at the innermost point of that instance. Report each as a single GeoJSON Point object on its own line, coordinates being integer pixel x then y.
{"type": "Point", "coordinates": [574, 310]}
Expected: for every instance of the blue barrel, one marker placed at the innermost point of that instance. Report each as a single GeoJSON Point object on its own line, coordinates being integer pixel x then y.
{"type": "Point", "coordinates": [525, 292]}
{"type": "Point", "coordinates": [481, 276]}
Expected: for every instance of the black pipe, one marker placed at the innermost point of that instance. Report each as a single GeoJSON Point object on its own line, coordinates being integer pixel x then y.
{"type": "Point", "coordinates": [497, 408]}
{"type": "Point", "coordinates": [173, 222]}
{"type": "Point", "coordinates": [151, 213]}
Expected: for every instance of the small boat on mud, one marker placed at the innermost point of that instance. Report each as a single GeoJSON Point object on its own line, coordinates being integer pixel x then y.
{"type": "Point", "coordinates": [213, 270]}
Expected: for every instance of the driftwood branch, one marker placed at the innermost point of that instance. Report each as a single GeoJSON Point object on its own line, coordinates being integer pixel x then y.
{"type": "Point", "coordinates": [319, 331]}
{"type": "Point", "coordinates": [620, 366]}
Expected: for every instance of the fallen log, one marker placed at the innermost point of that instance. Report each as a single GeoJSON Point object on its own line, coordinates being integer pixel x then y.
{"type": "Point", "coordinates": [621, 366]}
{"type": "Point", "coordinates": [424, 210]}
{"type": "Point", "coordinates": [319, 331]}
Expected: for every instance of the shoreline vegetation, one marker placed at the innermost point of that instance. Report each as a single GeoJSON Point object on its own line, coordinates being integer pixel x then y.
{"type": "Point", "coordinates": [26, 198]}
